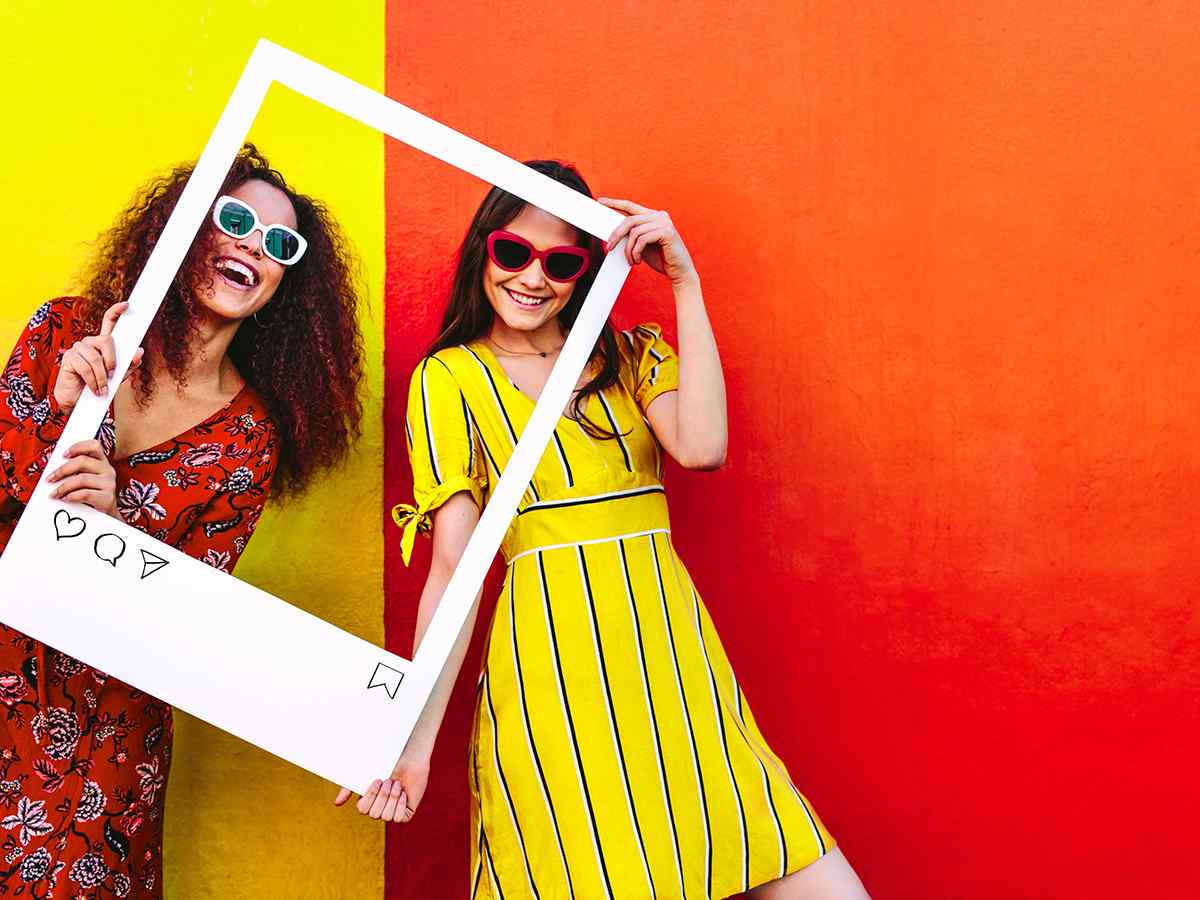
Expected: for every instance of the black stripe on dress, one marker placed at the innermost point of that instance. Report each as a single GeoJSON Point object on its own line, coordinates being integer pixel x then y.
{"type": "Point", "coordinates": [612, 713]}
{"type": "Point", "coordinates": [633, 357]}
{"type": "Point", "coordinates": [470, 432]}
{"type": "Point", "coordinates": [537, 762]}
{"type": "Point", "coordinates": [487, 451]}
{"type": "Point", "coordinates": [562, 693]}
{"type": "Point", "coordinates": [658, 356]}
{"type": "Point", "coordinates": [487, 852]}
{"type": "Point", "coordinates": [662, 596]}
{"type": "Point", "coordinates": [741, 720]}
{"type": "Point", "coordinates": [616, 430]}
{"type": "Point", "coordinates": [760, 751]}
{"type": "Point", "coordinates": [512, 433]}
{"type": "Point", "coordinates": [562, 458]}
{"type": "Point", "coordinates": [812, 820]}
{"type": "Point", "coordinates": [599, 498]}
{"type": "Point", "coordinates": [658, 751]}
{"type": "Point", "coordinates": [433, 464]}
{"type": "Point", "coordinates": [512, 811]}
{"type": "Point", "coordinates": [487, 373]}
{"type": "Point", "coordinates": [719, 709]}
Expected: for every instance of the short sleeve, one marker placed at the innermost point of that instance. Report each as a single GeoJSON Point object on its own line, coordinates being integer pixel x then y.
{"type": "Point", "coordinates": [443, 449]}
{"type": "Point", "coordinates": [656, 365]}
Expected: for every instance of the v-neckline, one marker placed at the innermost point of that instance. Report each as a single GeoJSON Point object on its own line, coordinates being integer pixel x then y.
{"type": "Point", "coordinates": [492, 362]}
{"type": "Point", "coordinates": [213, 417]}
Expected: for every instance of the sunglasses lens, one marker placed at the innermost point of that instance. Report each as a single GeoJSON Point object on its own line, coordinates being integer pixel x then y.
{"type": "Point", "coordinates": [236, 219]}
{"type": "Point", "coordinates": [281, 244]}
{"type": "Point", "coordinates": [509, 254]}
{"type": "Point", "coordinates": [564, 266]}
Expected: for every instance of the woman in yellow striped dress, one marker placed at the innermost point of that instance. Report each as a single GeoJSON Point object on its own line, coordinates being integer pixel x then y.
{"type": "Point", "coordinates": [614, 754]}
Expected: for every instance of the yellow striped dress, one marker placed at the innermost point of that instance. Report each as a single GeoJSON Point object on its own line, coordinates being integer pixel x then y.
{"type": "Point", "coordinates": [614, 756]}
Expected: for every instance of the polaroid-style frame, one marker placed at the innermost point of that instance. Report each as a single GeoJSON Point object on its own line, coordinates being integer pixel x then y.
{"type": "Point", "coordinates": [223, 650]}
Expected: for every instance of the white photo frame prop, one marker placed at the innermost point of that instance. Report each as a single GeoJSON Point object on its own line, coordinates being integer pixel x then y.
{"type": "Point", "coordinates": [223, 650]}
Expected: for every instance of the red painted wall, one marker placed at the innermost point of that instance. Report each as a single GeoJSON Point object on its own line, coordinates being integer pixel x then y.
{"type": "Point", "coordinates": [951, 255]}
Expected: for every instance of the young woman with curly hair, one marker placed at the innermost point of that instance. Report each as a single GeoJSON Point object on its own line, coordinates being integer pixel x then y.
{"type": "Point", "coordinates": [247, 385]}
{"type": "Point", "coordinates": [614, 754]}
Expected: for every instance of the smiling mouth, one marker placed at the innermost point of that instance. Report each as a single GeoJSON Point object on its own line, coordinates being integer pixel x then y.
{"type": "Point", "coordinates": [236, 273]}
{"type": "Point", "coordinates": [525, 300]}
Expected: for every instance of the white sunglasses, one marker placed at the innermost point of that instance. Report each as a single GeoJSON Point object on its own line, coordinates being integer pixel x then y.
{"type": "Point", "coordinates": [238, 219]}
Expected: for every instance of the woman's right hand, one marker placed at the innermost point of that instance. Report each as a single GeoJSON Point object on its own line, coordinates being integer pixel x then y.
{"type": "Point", "coordinates": [90, 362]}
{"type": "Point", "coordinates": [394, 799]}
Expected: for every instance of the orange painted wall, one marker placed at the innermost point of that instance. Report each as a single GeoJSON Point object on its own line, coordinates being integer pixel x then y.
{"type": "Point", "coordinates": [951, 254]}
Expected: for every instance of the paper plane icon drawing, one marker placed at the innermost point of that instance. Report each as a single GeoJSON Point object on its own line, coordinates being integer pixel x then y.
{"type": "Point", "coordinates": [151, 563]}
{"type": "Point", "coordinates": [387, 678]}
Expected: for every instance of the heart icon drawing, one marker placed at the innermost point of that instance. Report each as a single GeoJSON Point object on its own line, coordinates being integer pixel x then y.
{"type": "Point", "coordinates": [67, 525]}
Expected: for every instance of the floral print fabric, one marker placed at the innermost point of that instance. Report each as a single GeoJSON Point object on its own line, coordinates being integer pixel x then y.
{"type": "Point", "coordinates": [84, 757]}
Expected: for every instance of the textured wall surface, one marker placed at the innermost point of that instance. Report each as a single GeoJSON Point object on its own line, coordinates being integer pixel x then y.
{"type": "Point", "coordinates": [951, 255]}
{"type": "Point", "coordinates": [96, 101]}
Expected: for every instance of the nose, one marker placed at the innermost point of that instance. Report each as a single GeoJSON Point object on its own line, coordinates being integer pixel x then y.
{"type": "Point", "coordinates": [251, 243]}
{"type": "Point", "coordinates": [532, 276]}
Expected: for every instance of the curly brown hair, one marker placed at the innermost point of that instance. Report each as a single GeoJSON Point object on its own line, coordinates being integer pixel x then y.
{"type": "Point", "coordinates": [305, 359]}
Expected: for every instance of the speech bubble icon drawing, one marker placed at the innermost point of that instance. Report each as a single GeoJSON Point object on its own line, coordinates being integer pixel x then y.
{"type": "Point", "coordinates": [109, 548]}
{"type": "Point", "coordinates": [151, 563]}
{"type": "Point", "coordinates": [67, 525]}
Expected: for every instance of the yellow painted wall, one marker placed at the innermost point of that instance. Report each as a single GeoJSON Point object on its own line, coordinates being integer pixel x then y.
{"type": "Point", "coordinates": [97, 97]}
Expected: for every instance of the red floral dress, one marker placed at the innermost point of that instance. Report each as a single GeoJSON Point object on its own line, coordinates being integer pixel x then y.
{"type": "Point", "coordinates": [84, 757]}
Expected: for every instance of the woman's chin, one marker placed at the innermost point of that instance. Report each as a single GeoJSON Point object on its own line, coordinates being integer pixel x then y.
{"type": "Point", "coordinates": [230, 309]}
{"type": "Point", "coordinates": [526, 319]}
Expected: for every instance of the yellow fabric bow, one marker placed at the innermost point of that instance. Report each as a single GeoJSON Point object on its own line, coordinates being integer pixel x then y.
{"type": "Point", "coordinates": [412, 520]}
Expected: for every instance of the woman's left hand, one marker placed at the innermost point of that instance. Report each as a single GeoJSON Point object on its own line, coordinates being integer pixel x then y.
{"type": "Point", "coordinates": [86, 477]}
{"type": "Point", "coordinates": [653, 238]}
{"type": "Point", "coordinates": [395, 799]}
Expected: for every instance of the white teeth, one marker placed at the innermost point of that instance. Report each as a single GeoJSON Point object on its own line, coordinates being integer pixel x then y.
{"type": "Point", "coordinates": [526, 299]}
{"type": "Point", "coordinates": [232, 265]}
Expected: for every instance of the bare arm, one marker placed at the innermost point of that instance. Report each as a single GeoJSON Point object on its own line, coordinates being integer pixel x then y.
{"type": "Point", "coordinates": [396, 798]}
{"type": "Point", "coordinates": [453, 523]}
{"type": "Point", "coordinates": [691, 423]}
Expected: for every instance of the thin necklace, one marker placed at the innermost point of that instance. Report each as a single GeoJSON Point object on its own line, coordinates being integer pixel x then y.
{"type": "Point", "coordinates": [541, 353]}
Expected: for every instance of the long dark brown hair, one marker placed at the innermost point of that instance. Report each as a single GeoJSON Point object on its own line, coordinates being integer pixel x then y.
{"type": "Point", "coordinates": [469, 315]}
{"type": "Point", "coordinates": [305, 356]}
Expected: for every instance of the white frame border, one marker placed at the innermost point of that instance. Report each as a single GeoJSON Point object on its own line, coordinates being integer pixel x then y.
{"type": "Point", "coordinates": [270, 63]}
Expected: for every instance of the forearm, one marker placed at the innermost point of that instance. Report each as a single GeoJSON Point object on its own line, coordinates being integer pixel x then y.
{"type": "Point", "coordinates": [453, 524]}
{"type": "Point", "coordinates": [702, 427]}
{"type": "Point", "coordinates": [430, 721]}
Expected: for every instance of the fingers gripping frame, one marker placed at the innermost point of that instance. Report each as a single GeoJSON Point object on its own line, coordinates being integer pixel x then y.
{"type": "Point", "coordinates": [221, 649]}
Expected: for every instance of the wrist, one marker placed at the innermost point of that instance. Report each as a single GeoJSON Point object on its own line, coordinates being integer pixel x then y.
{"type": "Point", "coordinates": [687, 286]}
{"type": "Point", "coordinates": [418, 748]}
{"type": "Point", "coordinates": [57, 406]}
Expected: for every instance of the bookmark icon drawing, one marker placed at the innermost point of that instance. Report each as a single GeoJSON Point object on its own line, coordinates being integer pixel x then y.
{"type": "Point", "coordinates": [387, 678]}
{"type": "Point", "coordinates": [151, 563]}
